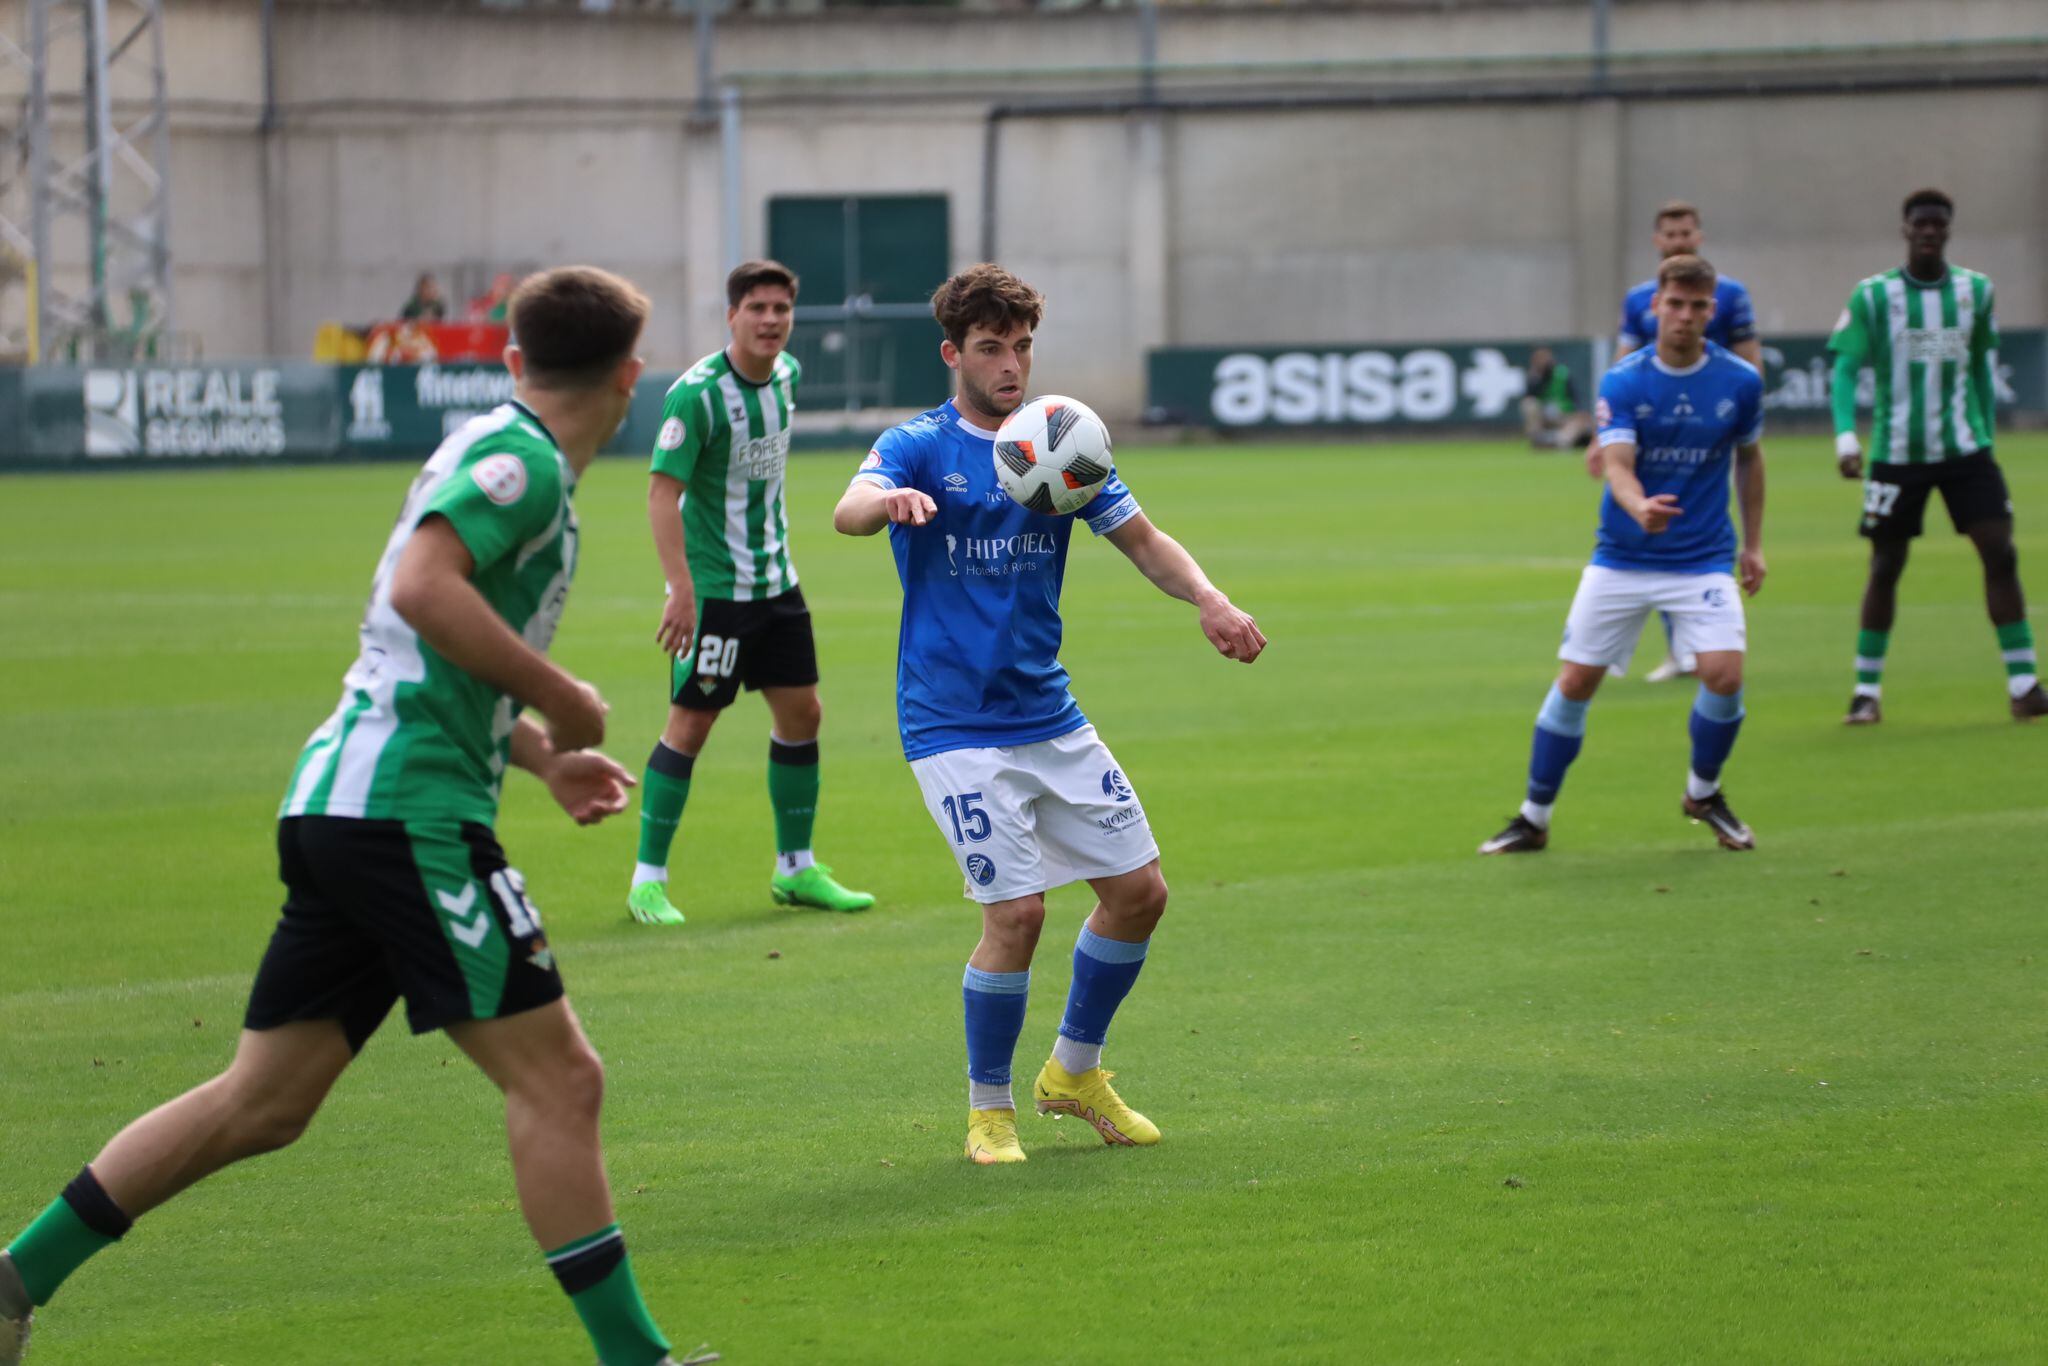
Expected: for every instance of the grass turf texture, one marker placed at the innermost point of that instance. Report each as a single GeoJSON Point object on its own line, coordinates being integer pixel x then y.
{"type": "Point", "coordinates": [1634, 1099]}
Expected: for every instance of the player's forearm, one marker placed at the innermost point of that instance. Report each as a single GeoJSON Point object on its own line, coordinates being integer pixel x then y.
{"type": "Point", "coordinates": [530, 749]}
{"type": "Point", "coordinates": [1619, 460]}
{"type": "Point", "coordinates": [450, 615]}
{"type": "Point", "coordinates": [1749, 495]}
{"type": "Point", "coordinates": [861, 511]}
{"type": "Point", "coordinates": [671, 542]}
{"type": "Point", "coordinates": [1842, 393]}
{"type": "Point", "coordinates": [1172, 570]}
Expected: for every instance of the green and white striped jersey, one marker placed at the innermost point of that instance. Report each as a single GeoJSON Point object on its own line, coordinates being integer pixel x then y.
{"type": "Point", "coordinates": [416, 738]}
{"type": "Point", "coordinates": [727, 439]}
{"type": "Point", "coordinates": [1933, 349]}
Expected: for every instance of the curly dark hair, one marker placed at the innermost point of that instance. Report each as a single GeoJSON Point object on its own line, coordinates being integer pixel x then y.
{"type": "Point", "coordinates": [988, 296]}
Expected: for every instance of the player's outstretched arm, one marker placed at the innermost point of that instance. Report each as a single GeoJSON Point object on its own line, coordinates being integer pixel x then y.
{"type": "Point", "coordinates": [588, 785]}
{"type": "Point", "coordinates": [1749, 497]}
{"type": "Point", "coordinates": [866, 508]}
{"type": "Point", "coordinates": [1652, 514]}
{"type": "Point", "coordinates": [431, 590]}
{"type": "Point", "coordinates": [1168, 565]}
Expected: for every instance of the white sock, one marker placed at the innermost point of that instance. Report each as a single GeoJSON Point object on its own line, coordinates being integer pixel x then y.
{"type": "Point", "coordinates": [1537, 814]}
{"type": "Point", "coordinates": [983, 1096]}
{"type": "Point", "coordinates": [1698, 788]}
{"type": "Point", "coordinates": [1869, 689]}
{"type": "Point", "coordinates": [2019, 685]}
{"type": "Point", "coordinates": [1075, 1056]}
{"type": "Point", "coordinates": [793, 862]}
{"type": "Point", "coordinates": [648, 872]}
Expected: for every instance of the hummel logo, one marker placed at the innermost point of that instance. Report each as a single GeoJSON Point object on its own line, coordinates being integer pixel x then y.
{"type": "Point", "coordinates": [470, 932]}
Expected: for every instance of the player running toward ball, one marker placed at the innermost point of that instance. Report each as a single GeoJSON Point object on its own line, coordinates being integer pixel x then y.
{"type": "Point", "coordinates": [1023, 790]}
{"type": "Point", "coordinates": [1673, 420]}
{"type": "Point", "coordinates": [395, 885]}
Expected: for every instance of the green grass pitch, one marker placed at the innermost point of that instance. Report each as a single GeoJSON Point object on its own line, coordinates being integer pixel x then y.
{"type": "Point", "coordinates": [1633, 1100]}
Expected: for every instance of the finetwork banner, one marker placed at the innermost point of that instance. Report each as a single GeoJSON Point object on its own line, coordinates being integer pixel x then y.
{"type": "Point", "coordinates": [1466, 384]}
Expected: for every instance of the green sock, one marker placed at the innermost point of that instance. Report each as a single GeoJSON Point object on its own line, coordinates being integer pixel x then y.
{"type": "Point", "coordinates": [2016, 643]}
{"type": "Point", "coordinates": [78, 1223]}
{"type": "Point", "coordinates": [664, 789]}
{"type": "Point", "coordinates": [1870, 648]}
{"type": "Point", "coordinates": [598, 1276]}
{"type": "Point", "coordinates": [793, 789]}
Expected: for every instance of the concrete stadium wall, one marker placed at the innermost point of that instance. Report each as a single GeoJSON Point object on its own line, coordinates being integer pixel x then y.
{"type": "Point", "coordinates": [467, 142]}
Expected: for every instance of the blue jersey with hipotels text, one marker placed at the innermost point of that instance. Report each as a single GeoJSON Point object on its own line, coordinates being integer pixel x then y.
{"type": "Point", "coordinates": [1734, 317]}
{"type": "Point", "coordinates": [1685, 426]}
{"type": "Point", "coordinates": [977, 659]}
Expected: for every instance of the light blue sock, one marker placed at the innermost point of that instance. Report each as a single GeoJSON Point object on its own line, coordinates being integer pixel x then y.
{"type": "Point", "coordinates": [1104, 972]}
{"type": "Point", "coordinates": [1715, 722]}
{"type": "Point", "coordinates": [1560, 731]}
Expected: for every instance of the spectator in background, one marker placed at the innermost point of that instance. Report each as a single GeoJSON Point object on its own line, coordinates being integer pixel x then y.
{"type": "Point", "coordinates": [493, 305]}
{"type": "Point", "coordinates": [426, 303]}
{"type": "Point", "coordinates": [1551, 417]}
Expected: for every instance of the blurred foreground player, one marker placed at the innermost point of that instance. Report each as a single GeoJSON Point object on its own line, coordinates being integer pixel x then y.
{"type": "Point", "coordinates": [395, 883]}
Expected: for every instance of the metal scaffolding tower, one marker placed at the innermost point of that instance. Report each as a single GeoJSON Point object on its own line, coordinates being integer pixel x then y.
{"type": "Point", "coordinates": [85, 195]}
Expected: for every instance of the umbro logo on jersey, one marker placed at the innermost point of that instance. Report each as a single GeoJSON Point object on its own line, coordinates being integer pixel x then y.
{"type": "Point", "coordinates": [1645, 410]}
{"type": "Point", "coordinates": [957, 482]}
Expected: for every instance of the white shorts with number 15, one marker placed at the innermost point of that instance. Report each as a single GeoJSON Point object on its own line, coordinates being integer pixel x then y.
{"type": "Point", "coordinates": [1028, 818]}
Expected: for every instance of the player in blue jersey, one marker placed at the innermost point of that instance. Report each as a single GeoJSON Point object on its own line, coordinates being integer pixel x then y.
{"type": "Point", "coordinates": [1025, 793]}
{"type": "Point", "coordinates": [1673, 419]}
{"type": "Point", "coordinates": [1676, 232]}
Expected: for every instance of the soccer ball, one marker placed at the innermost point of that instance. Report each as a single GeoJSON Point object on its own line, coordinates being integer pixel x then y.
{"type": "Point", "coordinates": [1052, 455]}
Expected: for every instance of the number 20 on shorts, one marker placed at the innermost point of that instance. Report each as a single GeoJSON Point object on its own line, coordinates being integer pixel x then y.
{"type": "Point", "coordinates": [970, 822]}
{"type": "Point", "coordinates": [716, 655]}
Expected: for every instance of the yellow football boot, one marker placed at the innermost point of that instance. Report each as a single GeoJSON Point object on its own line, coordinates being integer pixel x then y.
{"type": "Point", "coordinates": [992, 1137]}
{"type": "Point", "coordinates": [1091, 1097]}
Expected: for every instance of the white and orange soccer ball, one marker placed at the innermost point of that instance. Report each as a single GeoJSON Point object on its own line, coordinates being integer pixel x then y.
{"type": "Point", "coordinates": [1052, 455]}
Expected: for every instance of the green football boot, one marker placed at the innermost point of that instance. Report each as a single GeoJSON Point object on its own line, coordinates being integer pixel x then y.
{"type": "Point", "coordinates": [650, 905]}
{"type": "Point", "coordinates": [815, 886]}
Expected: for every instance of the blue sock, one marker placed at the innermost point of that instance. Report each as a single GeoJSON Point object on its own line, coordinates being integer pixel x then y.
{"type": "Point", "coordinates": [1715, 722]}
{"type": "Point", "coordinates": [1560, 730]}
{"type": "Point", "coordinates": [1104, 972]}
{"type": "Point", "coordinates": [995, 1017]}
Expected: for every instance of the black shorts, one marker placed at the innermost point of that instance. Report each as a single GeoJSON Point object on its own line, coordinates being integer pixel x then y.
{"type": "Point", "coordinates": [1895, 496]}
{"type": "Point", "coordinates": [765, 644]}
{"type": "Point", "coordinates": [375, 910]}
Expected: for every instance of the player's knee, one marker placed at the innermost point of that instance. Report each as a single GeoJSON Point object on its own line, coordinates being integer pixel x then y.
{"type": "Point", "coordinates": [2001, 558]}
{"type": "Point", "coordinates": [1887, 561]}
{"type": "Point", "coordinates": [1018, 921]}
{"type": "Point", "coordinates": [575, 1084]}
{"type": "Point", "coordinates": [1150, 902]}
{"type": "Point", "coordinates": [1723, 677]}
{"type": "Point", "coordinates": [799, 720]}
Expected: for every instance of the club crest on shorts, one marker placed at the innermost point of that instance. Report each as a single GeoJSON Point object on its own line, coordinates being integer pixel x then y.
{"type": "Point", "coordinates": [981, 868]}
{"type": "Point", "coordinates": [1115, 788]}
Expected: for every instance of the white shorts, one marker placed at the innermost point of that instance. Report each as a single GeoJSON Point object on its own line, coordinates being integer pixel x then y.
{"type": "Point", "coordinates": [1029, 818]}
{"type": "Point", "coordinates": [1611, 606]}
